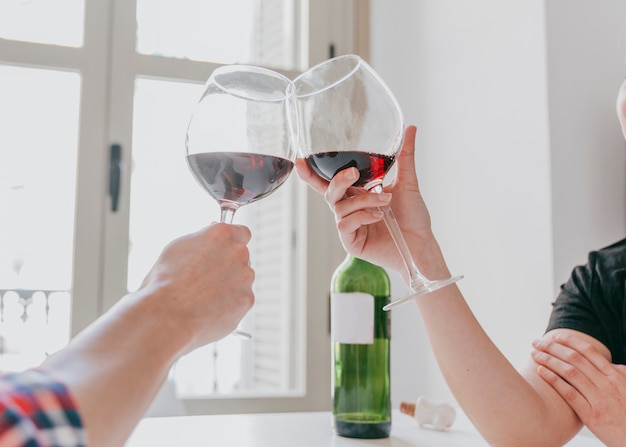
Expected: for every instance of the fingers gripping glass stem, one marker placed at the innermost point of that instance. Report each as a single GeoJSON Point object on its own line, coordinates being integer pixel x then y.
{"type": "Point", "coordinates": [418, 283]}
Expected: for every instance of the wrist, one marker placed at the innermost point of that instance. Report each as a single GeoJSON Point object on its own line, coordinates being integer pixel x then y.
{"type": "Point", "coordinates": [150, 308]}
{"type": "Point", "coordinates": [429, 258]}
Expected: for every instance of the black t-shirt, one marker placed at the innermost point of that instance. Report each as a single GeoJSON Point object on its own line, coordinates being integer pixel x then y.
{"type": "Point", "coordinates": [593, 300]}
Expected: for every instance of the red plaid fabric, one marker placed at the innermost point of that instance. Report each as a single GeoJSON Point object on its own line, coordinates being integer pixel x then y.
{"type": "Point", "coordinates": [37, 411]}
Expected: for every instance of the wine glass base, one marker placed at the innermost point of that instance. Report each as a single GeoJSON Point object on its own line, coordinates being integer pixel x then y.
{"type": "Point", "coordinates": [241, 334]}
{"type": "Point", "coordinates": [422, 289]}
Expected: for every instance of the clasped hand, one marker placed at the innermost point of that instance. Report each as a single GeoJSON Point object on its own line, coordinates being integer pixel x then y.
{"type": "Point", "coordinates": [594, 387]}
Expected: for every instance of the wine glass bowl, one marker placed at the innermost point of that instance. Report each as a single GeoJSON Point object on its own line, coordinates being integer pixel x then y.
{"type": "Point", "coordinates": [241, 141]}
{"type": "Point", "coordinates": [348, 117]}
{"type": "Point", "coordinates": [340, 105]}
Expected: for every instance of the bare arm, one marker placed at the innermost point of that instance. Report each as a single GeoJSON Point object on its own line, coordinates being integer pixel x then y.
{"type": "Point", "coordinates": [196, 293]}
{"type": "Point", "coordinates": [508, 407]}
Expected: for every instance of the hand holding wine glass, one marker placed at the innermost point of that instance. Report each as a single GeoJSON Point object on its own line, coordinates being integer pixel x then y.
{"type": "Point", "coordinates": [360, 223]}
{"type": "Point", "coordinates": [349, 118]}
{"type": "Point", "coordinates": [241, 139]}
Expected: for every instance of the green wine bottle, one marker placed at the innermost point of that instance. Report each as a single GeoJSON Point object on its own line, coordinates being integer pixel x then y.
{"type": "Point", "coordinates": [360, 331]}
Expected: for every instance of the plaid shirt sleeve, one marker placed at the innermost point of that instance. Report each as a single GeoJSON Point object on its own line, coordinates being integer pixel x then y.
{"type": "Point", "coordinates": [37, 411]}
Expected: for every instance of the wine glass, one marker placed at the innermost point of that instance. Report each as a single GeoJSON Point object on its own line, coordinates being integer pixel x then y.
{"type": "Point", "coordinates": [241, 139]}
{"type": "Point", "coordinates": [349, 118]}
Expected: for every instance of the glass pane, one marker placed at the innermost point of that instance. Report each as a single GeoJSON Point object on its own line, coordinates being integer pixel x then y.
{"type": "Point", "coordinates": [261, 32]}
{"type": "Point", "coordinates": [166, 202]}
{"type": "Point", "coordinates": [56, 22]}
{"type": "Point", "coordinates": [39, 110]}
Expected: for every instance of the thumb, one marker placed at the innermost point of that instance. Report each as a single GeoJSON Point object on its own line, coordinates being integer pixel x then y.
{"type": "Point", "coordinates": [406, 160]}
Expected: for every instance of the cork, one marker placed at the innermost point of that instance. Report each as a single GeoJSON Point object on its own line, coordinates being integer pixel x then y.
{"type": "Point", "coordinates": [407, 408]}
{"type": "Point", "coordinates": [430, 413]}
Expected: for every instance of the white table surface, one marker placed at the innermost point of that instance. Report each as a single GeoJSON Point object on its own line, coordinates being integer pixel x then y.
{"type": "Point", "coordinates": [311, 429]}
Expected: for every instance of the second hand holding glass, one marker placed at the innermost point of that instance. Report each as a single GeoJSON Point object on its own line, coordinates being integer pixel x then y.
{"type": "Point", "coordinates": [241, 139]}
{"type": "Point", "coordinates": [349, 118]}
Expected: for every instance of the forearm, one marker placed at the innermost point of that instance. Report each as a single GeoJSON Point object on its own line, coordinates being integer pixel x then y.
{"type": "Point", "coordinates": [115, 368]}
{"type": "Point", "coordinates": [506, 407]}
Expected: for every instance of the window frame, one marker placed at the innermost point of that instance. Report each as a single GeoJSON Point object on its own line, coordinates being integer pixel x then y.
{"type": "Point", "coordinates": [108, 65]}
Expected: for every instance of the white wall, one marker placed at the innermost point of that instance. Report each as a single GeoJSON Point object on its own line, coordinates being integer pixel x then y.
{"type": "Point", "coordinates": [586, 65]}
{"type": "Point", "coordinates": [519, 154]}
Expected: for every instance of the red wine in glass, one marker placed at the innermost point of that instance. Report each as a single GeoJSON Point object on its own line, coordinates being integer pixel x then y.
{"type": "Point", "coordinates": [239, 177]}
{"type": "Point", "coordinates": [372, 166]}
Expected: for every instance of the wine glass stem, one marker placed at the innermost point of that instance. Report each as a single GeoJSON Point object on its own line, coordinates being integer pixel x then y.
{"type": "Point", "coordinates": [227, 214]}
{"type": "Point", "coordinates": [415, 276]}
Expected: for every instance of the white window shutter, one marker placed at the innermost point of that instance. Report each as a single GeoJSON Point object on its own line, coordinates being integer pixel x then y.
{"type": "Point", "coordinates": [272, 258]}
{"type": "Point", "coordinates": [274, 39]}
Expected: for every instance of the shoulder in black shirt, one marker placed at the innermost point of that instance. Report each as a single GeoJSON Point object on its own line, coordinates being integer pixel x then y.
{"type": "Point", "coordinates": [593, 300]}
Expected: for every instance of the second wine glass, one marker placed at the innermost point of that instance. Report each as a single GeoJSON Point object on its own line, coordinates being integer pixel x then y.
{"type": "Point", "coordinates": [349, 118]}
{"type": "Point", "coordinates": [241, 139]}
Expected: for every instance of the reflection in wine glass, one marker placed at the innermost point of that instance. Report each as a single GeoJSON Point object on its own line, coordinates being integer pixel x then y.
{"type": "Point", "coordinates": [349, 118]}
{"type": "Point", "coordinates": [241, 139]}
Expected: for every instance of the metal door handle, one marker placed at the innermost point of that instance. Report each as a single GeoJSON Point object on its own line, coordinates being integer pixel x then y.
{"type": "Point", "coordinates": [116, 166]}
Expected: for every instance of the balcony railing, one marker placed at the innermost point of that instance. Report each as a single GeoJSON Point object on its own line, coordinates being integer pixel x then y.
{"type": "Point", "coordinates": [33, 325]}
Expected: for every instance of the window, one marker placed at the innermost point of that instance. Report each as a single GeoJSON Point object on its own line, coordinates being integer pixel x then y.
{"type": "Point", "coordinates": [30, 22]}
{"type": "Point", "coordinates": [128, 73]}
{"type": "Point", "coordinates": [37, 212]}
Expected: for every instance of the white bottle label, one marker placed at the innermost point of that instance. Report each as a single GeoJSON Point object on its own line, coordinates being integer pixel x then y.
{"type": "Point", "coordinates": [352, 318]}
